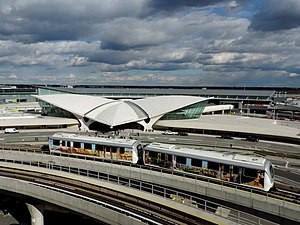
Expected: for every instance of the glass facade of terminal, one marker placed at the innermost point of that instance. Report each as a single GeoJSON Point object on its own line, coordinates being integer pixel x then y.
{"type": "Point", "coordinates": [43, 91]}
{"type": "Point", "coordinates": [190, 112]}
{"type": "Point", "coordinates": [51, 110]}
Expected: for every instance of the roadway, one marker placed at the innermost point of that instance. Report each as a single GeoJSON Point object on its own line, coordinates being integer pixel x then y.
{"type": "Point", "coordinates": [208, 141]}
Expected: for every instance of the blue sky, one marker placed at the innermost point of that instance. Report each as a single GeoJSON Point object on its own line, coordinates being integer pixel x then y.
{"type": "Point", "coordinates": [151, 42]}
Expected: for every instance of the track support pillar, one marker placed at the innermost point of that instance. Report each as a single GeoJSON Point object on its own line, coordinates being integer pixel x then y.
{"type": "Point", "coordinates": [37, 217]}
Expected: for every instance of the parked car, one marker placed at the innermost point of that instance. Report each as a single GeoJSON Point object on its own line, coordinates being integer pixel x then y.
{"type": "Point", "coordinates": [251, 138]}
{"type": "Point", "coordinates": [168, 132]}
{"type": "Point", "coordinates": [182, 134]}
{"type": "Point", "coordinates": [226, 136]}
{"type": "Point", "coordinates": [11, 131]}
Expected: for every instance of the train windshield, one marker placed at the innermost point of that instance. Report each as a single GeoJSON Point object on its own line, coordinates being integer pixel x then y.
{"type": "Point", "coordinates": [272, 171]}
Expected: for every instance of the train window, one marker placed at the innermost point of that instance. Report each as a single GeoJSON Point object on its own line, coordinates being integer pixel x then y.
{"type": "Point", "coordinates": [153, 155]}
{"type": "Point", "coordinates": [197, 162]}
{"type": "Point", "coordinates": [225, 168]}
{"type": "Point", "coordinates": [181, 160]}
{"type": "Point", "coordinates": [163, 156]}
{"type": "Point", "coordinates": [55, 142]}
{"type": "Point", "coordinates": [76, 145]}
{"type": "Point", "coordinates": [122, 150]}
{"type": "Point", "coordinates": [250, 172]}
{"type": "Point", "coordinates": [272, 171]}
{"type": "Point", "coordinates": [236, 169]}
{"type": "Point", "coordinates": [99, 147]}
{"type": "Point", "coordinates": [63, 143]}
{"type": "Point", "coordinates": [87, 145]}
{"type": "Point", "coordinates": [68, 144]}
{"type": "Point", "coordinates": [170, 158]}
{"type": "Point", "coordinates": [213, 166]}
{"type": "Point", "coordinates": [113, 149]}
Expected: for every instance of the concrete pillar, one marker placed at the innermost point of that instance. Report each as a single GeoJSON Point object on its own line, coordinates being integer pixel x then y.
{"type": "Point", "coordinates": [37, 217]}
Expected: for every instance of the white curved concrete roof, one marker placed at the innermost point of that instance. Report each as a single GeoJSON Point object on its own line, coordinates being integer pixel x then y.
{"type": "Point", "coordinates": [117, 112]}
{"type": "Point", "coordinates": [77, 104]}
{"type": "Point", "coordinates": [155, 106]}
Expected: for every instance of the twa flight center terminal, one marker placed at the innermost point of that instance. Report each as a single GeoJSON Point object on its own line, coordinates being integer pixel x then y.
{"type": "Point", "coordinates": [175, 112]}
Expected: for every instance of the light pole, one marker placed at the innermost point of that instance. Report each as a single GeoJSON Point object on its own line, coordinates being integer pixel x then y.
{"type": "Point", "coordinates": [275, 113]}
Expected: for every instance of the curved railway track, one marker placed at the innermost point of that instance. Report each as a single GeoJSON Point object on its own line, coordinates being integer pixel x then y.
{"type": "Point", "coordinates": [149, 212]}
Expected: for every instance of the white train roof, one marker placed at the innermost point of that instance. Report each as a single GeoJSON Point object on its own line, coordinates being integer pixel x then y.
{"type": "Point", "coordinates": [95, 139]}
{"type": "Point", "coordinates": [116, 112]}
{"type": "Point", "coordinates": [231, 158]}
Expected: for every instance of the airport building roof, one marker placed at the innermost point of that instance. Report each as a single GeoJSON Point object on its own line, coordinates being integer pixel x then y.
{"type": "Point", "coordinates": [117, 112]}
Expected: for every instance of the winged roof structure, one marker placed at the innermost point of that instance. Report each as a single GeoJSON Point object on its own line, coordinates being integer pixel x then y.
{"type": "Point", "coordinates": [117, 112]}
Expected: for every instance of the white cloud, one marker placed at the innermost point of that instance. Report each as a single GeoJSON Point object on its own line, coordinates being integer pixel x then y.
{"type": "Point", "coordinates": [71, 77]}
{"type": "Point", "coordinates": [13, 76]}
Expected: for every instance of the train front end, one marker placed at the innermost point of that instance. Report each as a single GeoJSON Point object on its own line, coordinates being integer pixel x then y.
{"type": "Point", "coordinates": [269, 176]}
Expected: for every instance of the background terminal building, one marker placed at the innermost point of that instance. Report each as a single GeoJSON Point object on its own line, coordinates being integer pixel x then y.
{"type": "Point", "coordinates": [104, 108]}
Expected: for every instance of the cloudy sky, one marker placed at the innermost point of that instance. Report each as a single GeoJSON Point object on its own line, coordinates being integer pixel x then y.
{"type": "Point", "coordinates": [151, 42]}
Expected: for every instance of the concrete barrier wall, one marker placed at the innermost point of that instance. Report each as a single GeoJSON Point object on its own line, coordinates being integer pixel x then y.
{"type": "Point", "coordinates": [69, 202]}
{"type": "Point", "coordinates": [258, 202]}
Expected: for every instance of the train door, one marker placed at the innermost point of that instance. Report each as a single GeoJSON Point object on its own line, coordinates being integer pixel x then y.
{"type": "Point", "coordinates": [140, 154]}
{"type": "Point", "coordinates": [110, 152]}
{"type": "Point", "coordinates": [173, 161]}
{"type": "Point", "coordinates": [114, 153]}
{"type": "Point", "coordinates": [51, 144]}
{"type": "Point", "coordinates": [118, 153]}
{"type": "Point", "coordinates": [69, 149]}
{"type": "Point", "coordinates": [189, 162]}
{"type": "Point", "coordinates": [204, 164]}
{"type": "Point", "coordinates": [106, 152]}
{"type": "Point", "coordinates": [169, 161]}
{"type": "Point", "coordinates": [94, 152]}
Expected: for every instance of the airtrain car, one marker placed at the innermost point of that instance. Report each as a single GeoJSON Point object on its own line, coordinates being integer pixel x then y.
{"type": "Point", "coordinates": [109, 148]}
{"type": "Point", "coordinates": [248, 170]}
{"type": "Point", "coordinates": [242, 169]}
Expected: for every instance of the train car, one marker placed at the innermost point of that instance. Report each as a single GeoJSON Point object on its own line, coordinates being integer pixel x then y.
{"type": "Point", "coordinates": [108, 148]}
{"type": "Point", "coordinates": [243, 169]}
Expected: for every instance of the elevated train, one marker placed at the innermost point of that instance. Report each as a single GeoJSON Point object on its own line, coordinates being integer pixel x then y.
{"type": "Point", "coordinates": [242, 169]}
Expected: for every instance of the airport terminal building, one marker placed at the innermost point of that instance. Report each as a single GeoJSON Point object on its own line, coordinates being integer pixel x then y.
{"type": "Point", "coordinates": [103, 114]}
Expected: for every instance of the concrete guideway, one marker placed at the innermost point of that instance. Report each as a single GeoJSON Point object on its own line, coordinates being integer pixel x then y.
{"type": "Point", "coordinates": [84, 206]}
{"type": "Point", "coordinates": [251, 200]}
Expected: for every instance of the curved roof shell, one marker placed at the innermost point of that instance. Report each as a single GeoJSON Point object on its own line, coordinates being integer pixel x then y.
{"type": "Point", "coordinates": [160, 105]}
{"type": "Point", "coordinates": [117, 112]}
